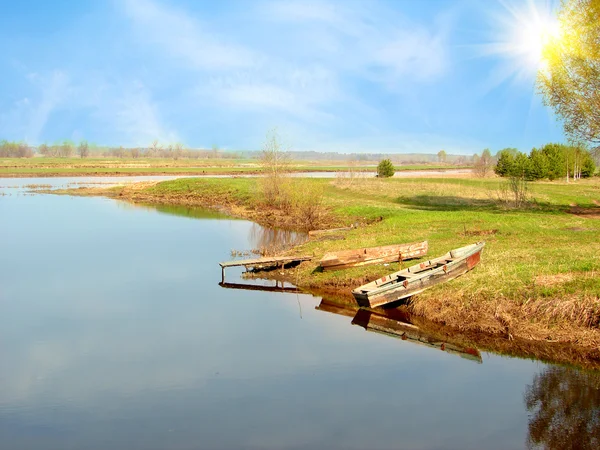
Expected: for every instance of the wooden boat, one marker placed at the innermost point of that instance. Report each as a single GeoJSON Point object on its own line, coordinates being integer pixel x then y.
{"type": "Point", "coordinates": [417, 278]}
{"type": "Point", "coordinates": [388, 326]}
{"type": "Point", "coordinates": [374, 255]}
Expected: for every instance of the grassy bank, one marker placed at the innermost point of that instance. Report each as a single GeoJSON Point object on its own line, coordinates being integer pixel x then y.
{"type": "Point", "coordinates": [539, 277]}
{"type": "Point", "coordinates": [55, 167]}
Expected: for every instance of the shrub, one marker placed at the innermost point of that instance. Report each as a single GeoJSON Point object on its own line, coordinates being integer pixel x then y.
{"type": "Point", "coordinates": [385, 169]}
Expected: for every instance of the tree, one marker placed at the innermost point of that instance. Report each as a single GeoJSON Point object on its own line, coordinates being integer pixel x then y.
{"type": "Point", "coordinates": [504, 165]}
{"type": "Point", "coordinates": [442, 156]}
{"type": "Point", "coordinates": [44, 150]}
{"type": "Point", "coordinates": [177, 151]}
{"type": "Point", "coordinates": [83, 149]}
{"type": "Point", "coordinates": [538, 167]}
{"type": "Point", "coordinates": [588, 167]}
{"type": "Point", "coordinates": [570, 79]}
{"type": "Point", "coordinates": [556, 156]}
{"type": "Point", "coordinates": [274, 160]}
{"type": "Point", "coordinates": [483, 164]}
{"type": "Point", "coordinates": [385, 169]}
{"type": "Point", "coordinates": [520, 167]}
{"type": "Point", "coordinates": [66, 149]}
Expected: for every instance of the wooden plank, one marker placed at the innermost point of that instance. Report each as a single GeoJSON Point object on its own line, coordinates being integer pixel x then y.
{"type": "Point", "coordinates": [267, 261]}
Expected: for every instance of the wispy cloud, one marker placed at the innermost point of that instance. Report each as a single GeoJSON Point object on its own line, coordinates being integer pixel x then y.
{"type": "Point", "coordinates": [30, 114]}
{"type": "Point", "coordinates": [137, 117]}
{"type": "Point", "coordinates": [185, 37]}
{"type": "Point", "coordinates": [370, 39]}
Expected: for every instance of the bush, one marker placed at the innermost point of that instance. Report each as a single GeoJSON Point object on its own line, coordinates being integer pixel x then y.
{"type": "Point", "coordinates": [385, 169]}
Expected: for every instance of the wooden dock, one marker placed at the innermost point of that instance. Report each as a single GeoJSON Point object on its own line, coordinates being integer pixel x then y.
{"type": "Point", "coordinates": [262, 263]}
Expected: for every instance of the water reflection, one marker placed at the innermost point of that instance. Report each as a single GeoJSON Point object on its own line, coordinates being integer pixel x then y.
{"type": "Point", "coordinates": [397, 324]}
{"type": "Point", "coordinates": [564, 404]}
{"type": "Point", "coordinates": [180, 210]}
{"type": "Point", "coordinates": [270, 241]}
{"type": "Point", "coordinates": [280, 286]}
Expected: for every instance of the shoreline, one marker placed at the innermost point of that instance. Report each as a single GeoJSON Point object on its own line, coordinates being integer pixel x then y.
{"type": "Point", "coordinates": [498, 322]}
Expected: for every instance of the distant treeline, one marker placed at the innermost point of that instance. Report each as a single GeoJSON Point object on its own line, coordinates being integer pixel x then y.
{"type": "Point", "coordinates": [68, 149]}
{"type": "Point", "coordinates": [15, 150]}
{"type": "Point", "coordinates": [551, 162]}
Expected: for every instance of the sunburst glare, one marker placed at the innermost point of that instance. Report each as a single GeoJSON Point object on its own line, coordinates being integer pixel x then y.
{"type": "Point", "coordinates": [522, 31]}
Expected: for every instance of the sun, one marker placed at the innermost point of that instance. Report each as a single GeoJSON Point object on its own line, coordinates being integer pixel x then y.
{"type": "Point", "coordinates": [533, 36]}
{"type": "Point", "coordinates": [522, 31]}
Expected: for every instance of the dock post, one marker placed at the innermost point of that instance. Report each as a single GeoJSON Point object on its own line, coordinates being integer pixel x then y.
{"type": "Point", "coordinates": [222, 274]}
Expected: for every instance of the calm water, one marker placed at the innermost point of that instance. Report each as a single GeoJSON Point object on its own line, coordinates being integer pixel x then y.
{"type": "Point", "coordinates": [114, 333]}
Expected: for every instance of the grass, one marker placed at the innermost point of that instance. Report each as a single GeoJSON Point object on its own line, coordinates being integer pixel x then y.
{"type": "Point", "coordinates": [539, 278]}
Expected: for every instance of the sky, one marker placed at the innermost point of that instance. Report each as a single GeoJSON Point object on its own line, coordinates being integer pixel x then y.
{"type": "Point", "coordinates": [393, 76]}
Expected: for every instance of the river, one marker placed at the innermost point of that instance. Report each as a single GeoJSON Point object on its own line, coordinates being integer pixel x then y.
{"type": "Point", "coordinates": [115, 333]}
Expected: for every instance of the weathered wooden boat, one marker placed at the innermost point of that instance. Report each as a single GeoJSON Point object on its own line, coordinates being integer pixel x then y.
{"type": "Point", "coordinates": [373, 255]}
{"type": "Point", "coordinates": [405, 331]}
{"type": "Point", "coordinates": [417, 278]}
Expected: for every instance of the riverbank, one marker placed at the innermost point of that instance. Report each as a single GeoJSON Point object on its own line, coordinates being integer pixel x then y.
{"type": "Point", "coordinates": [538, 279]}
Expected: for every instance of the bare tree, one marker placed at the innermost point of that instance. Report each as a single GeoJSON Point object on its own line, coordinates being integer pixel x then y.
{"type": "Point", "coordinates": [83, 149]}
{"type": "Point", "coordinates": [482, 164]}
{"type": "Point", "coordinates": [275, 166]}
{"type": "Point", "coordinates": [177, 151]}
{"type": "Point", "coordinates": [66, 149]}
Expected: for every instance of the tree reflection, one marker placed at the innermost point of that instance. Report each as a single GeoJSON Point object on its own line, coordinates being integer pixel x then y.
{"type": "Point", "coordinates": [272, 240]}
{"type": "Point", "coordinates": [565, 409]}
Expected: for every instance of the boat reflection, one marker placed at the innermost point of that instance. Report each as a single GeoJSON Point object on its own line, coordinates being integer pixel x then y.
{"type": "Point", "coordinates": [395, 323]}
{"type": "Point", "coordinates": [391, 322]}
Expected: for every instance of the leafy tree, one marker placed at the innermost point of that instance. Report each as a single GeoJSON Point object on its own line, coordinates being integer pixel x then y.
{"type": "Point", "coordinates": [555, 154]}
{"type": "Point", "coordinates": [442, 156]}
{"type": "Point", "coordinates": [588, 167]}
{"type": "Point", "coordinates": [521, 166]}
{"type": "Point", "coordinates": [570, 78]}
{"type": "Point", "coordinates": [538, 167]}
{"type": "Point", "coordinates": [385, 169]}
{"type": "Point", "coordinates": [505, 161]}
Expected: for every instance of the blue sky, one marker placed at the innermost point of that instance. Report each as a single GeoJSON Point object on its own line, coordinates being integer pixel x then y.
{"type": "Point", "coordinates": [347, 76]}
